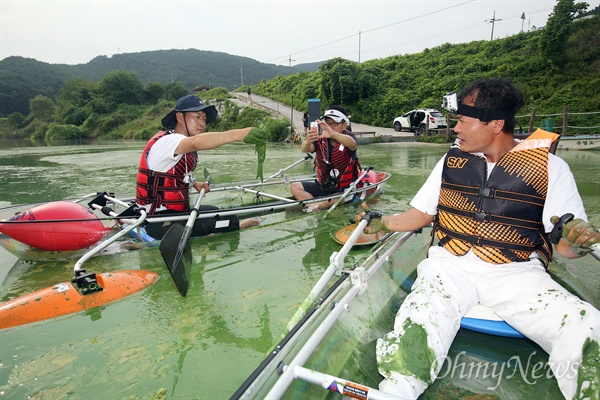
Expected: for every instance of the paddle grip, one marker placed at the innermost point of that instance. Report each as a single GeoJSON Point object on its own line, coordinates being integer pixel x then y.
{"type": "Point", "coordinates": [372, 215]}
{"type": "Point", "coordinates": [557, 231]}
{"type": "Point", "coordinates": [369, 215]}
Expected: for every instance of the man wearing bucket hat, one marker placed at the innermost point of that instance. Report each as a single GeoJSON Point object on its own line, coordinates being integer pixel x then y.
{"type": "Point", "coordinates": [164, 177]}
{"type": "Point", "coordinates": [336, 160]}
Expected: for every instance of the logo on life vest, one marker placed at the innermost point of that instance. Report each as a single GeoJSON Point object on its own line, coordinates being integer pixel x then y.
{"type": "Point", "coordinates": [456, 162]}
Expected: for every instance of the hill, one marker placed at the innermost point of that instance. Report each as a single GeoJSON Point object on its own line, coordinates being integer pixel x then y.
{"type": "Point", "coordinates": [21, 79]}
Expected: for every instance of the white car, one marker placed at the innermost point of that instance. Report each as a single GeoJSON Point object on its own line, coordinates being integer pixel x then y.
{"type": "Point", "coordinates": [416, 120]}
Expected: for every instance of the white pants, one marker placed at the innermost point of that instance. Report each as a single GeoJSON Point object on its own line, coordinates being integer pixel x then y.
{"type": "Point", "coordinates": [523, 294]}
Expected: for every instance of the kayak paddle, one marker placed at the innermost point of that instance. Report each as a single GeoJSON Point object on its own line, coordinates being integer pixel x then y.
{"type": "Point", "coordinates": [176, 250]}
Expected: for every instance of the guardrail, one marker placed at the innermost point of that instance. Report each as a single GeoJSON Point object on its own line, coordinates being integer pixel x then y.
{"type": "Point", "coordinates": [361, 134]}
{"type": "Point", "coordinates": [547, 122]}
{"type": "Point", "coordinates": [544, 121]}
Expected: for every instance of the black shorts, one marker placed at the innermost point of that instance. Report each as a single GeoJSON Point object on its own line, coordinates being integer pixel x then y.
{"type": "Point", "coordinates": [202, 227]}
{"type": "Point", "coordinates": [316, 190]}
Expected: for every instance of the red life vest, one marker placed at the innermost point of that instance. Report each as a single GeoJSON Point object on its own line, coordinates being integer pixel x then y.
{"type": "Point", "coordinates": [500, 217]}
{"type": "Point", "coordinates": [335, 165]}
{"type": "Point", "coordinates": [166, 189]}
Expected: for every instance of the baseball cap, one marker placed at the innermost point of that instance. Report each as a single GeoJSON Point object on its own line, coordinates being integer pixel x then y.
{"type": "Point", "coordinates": [189, 103]}
{"type": "Point", "coordinates": [335, 115]}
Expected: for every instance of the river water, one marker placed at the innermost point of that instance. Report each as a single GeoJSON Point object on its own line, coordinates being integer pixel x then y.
{"type": "Point", "coordinates": [244, 286]}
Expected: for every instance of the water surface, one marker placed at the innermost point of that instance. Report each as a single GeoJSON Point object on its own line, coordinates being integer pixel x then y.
{"type": "Point", "coordinates": [244, 285]}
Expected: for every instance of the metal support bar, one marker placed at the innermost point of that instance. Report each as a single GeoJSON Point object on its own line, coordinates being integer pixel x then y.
{"type": "Point", "coordinates": [108, 242]}
{"type": "Point", "coordinates": [339, 385]}
{"type": "Point", "coordinates": [311, 344]}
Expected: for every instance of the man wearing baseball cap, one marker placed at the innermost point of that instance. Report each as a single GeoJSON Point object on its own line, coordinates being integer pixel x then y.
{"type": "Point", "coordinates": [336, 160]}
{"type": "Point", "coordinates": [164, 177]}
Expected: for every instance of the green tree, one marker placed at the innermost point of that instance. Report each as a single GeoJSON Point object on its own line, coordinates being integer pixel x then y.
{"type": "Point", "coordinates": [76, 92]}
{"type": "Point", "coordinates": [175, 90]}
{"type": "Point", "coordinates": [42, 108]}
{"type": "Point", "coordinates": [154, 92]}
{"type": "Point", "coordinates": [121, 87]}
{"type": "Point", "coordinates": [74, 98]}
{"type": "Point", "coordinates": [16, 119]}
{"type": "Point", "coordinates": [340, 81]}
{"type": "Point", "coordinates": [553, 40]}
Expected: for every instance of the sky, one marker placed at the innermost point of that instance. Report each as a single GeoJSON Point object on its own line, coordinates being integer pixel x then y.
{"type": "Point", "coordinates": [281, 32]}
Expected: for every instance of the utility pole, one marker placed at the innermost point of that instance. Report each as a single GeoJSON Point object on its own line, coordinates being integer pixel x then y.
{"type": "Point", "coordinates": [359, 33]}
{"type": "Point", "coordinates": [492, 21]}
{"type": "Point", "coordinates": [242, 74]}
{"type": "Point", "coordinates": [290, 60]}
{"type": "Point", "coordinates": [522, 20]}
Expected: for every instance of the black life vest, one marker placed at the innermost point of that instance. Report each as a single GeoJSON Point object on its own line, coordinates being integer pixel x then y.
{"type": "Point", "coordinates": [336, 168]}
{"type": "Point", "coordinates": [167, 189]}
{"type": "Point", "coordinates": [500, 217]}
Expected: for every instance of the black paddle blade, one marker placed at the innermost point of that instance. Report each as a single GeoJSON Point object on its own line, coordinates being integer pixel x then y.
{"type": "Point", "coordinates": [177, 253]}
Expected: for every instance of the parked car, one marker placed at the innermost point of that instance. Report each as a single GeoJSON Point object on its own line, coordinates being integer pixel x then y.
{"type": "Point", "coordinates": [416, 120]}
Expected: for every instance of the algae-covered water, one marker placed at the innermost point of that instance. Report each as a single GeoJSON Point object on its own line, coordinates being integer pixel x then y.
{"type": "Point", "coordinates": [244, 285]}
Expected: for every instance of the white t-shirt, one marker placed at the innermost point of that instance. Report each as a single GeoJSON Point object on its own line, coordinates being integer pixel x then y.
{"type": "Point", "coordinates": [161, 156]}
{"type": "Point", "coordinates": [563, 196]}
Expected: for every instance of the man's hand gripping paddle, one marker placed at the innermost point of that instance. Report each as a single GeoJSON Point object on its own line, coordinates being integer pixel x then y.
{"type": "Point", "coordinates": [559, 232]}
{"type": "Point", "coordinates": [374, 233]}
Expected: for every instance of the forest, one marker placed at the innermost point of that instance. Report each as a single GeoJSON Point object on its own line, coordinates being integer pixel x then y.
{"type": "Point", "coordinates": [556, 67]}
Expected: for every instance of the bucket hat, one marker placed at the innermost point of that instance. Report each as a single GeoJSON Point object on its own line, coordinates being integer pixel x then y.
{"type": "Point", "coordinates": [189, 103]}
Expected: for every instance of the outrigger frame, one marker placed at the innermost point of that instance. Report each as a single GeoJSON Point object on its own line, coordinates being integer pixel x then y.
{"type": "Point", "coordinates": [295, 370]}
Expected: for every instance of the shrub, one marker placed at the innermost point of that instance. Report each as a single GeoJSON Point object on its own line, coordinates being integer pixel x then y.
{"type": "Point", "coordinates": [277, 129]}
{"type": "Point", "coordinates": [63, 132]}
{"type": "Point", "coordinates": [439, 138]}
{"type": "Point", "coordinates": [143, 134]}
{"type": "Point", "coordinates": [40, 131]}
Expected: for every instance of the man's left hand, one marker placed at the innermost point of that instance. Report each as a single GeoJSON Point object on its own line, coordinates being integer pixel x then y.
{"type": "Point", "coordinates": [201, 185]}
{"type": "Point", "coordinates": [376, 225]}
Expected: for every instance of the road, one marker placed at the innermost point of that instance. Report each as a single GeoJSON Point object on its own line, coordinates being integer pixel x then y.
{"type": "Point", "coordinates": [295, 116]}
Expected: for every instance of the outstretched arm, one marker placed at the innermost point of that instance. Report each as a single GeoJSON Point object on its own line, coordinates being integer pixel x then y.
{"type": "Point", "coordinates": [210, 140]}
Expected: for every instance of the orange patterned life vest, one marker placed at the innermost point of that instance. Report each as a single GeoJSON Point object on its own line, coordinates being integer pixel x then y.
{"type": "Point", "coordinates": [499, 218]}
{"type": "Point", "coordinates": [166, 189]}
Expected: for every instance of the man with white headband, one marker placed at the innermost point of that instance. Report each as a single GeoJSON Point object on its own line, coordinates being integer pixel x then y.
{"type": "Point", "coordinates": [494, 202]}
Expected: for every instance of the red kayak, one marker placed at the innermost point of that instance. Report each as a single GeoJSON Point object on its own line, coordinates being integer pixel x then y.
{"type": "Point", "coordinates": [38, 227]}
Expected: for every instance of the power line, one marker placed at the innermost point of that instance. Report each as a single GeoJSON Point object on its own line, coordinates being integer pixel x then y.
{"type": "Point", "coordinates": [420, 16]}
{"type": "Point", "coordinates": [374, 29]}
